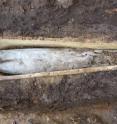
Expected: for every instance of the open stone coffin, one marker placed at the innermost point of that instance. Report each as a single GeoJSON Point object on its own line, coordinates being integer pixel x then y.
{"type": "Point", "coordinates": [56, 77]}
{"type": "Point", "coordinates": [58, 61]}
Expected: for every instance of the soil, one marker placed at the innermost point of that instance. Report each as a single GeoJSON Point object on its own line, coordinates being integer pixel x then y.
{"type": "Point", "coordinates": [83, 19]}
{"type": "Point", "coordinates": [84, 115]}
{"type": "Point", "coordinates": [78, 99]}
{"type": "Point", "coordinates": [59, 93]}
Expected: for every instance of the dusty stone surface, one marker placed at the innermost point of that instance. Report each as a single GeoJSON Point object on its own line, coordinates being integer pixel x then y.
{"type": "Point", "coordinates": [25, 61]}
{"type": "Point", "coordinates": [84, 19]}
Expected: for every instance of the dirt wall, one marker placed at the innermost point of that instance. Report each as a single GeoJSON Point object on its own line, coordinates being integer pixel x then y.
{"type": "Point", "coordinates": [84, 19]}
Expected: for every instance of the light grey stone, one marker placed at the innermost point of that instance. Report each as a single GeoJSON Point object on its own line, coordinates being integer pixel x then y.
{"type": "Point", "coordinates": [23, 61]}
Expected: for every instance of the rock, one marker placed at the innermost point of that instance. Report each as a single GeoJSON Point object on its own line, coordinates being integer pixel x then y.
{"type": "Point", "coordinates": [23, 61]}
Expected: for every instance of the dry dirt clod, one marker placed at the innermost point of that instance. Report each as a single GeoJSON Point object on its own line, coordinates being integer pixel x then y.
{"type": "Point", "coordinates": [38, 3]}
{"type": "Point", "coordinates": [64, 3]}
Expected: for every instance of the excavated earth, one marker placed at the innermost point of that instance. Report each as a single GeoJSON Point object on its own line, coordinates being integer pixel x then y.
{"type": "Point", "coordinates": [83, 19]}
{"type": "Point", "coordinates": [75, 99]}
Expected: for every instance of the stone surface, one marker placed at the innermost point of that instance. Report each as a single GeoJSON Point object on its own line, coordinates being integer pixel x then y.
{"type": "Point", "coordinates": [25, 61]}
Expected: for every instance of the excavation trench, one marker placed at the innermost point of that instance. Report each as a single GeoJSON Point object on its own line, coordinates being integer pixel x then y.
{"type": "Point", "coordinates": [76, 77]}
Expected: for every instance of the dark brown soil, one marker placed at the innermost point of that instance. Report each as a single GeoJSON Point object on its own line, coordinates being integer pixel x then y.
{"type": "Point", "coordinates": [84, 19]}
{"type": "Point", "coordinates": [57, 93]}
{"type": "Point", "coordinates": [78, 99]}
